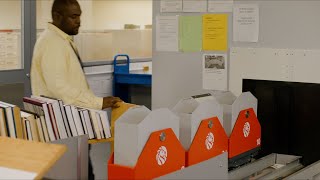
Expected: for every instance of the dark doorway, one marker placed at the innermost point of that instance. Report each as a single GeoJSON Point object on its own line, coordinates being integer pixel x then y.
{"type": "Point", "coordinates": [289, 114]}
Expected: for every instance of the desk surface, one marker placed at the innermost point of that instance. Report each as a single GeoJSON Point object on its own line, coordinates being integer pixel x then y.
{"type": "Point", "coordinates": [29, 156]}
{"type": "Point", "coordinates": [141, 72]}
{"type": "Point", "coordinates": [133, 72]}
{"type": "Point", "coordinates": [101, 62]}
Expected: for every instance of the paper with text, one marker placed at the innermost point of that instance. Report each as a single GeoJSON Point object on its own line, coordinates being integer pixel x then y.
{"type": "Point", "coordinates": [167, 33]}
{"type": "Point", "coordinates": [246, 23]}
{"type": "Point", "coordinates": [220, 6]}
{"type": "Point", "coordinates": [215, 72]}
{"type": "Point", "coordinates": [190, 33]}
{"type": "Point", "coordinates": [215, 32]}
{"type": "Point", "coordinates": [171, 6]}
{"type": "Point", "coordinates": [194, 5]}
{"type": "Point", "coordinates": [9, 51]}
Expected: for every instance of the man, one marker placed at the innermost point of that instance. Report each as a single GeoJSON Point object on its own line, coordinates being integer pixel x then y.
{"type": "Point", "coordinates": [56, 69]}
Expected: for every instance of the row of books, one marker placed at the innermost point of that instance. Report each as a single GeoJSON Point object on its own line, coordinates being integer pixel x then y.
{"type": "Point", "coordinates": [47, 119]}
{"type": "Point", "coordinates": [10, 120]}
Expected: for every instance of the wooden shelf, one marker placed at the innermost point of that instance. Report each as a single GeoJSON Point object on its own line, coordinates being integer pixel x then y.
{"type": "Point", "coordinates": [30, 156]}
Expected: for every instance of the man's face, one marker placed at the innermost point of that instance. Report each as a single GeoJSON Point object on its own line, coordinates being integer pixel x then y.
{"type": "Point", "coordinates": [70, 22]}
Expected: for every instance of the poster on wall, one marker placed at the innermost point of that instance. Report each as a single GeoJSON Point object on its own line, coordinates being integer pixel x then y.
{"type": "Point", "coordinates": [2, 50]}
{"type": "Point", "coordinates": [215, 32]}
{"type": "Point", "coordinates": [171, 6]}
{"type": "Point", "coordinates": [220, 6]}
{"type": "Point", "coordinates": [190, 33]}
{"type": "Point", "coordinates": [246, 23]}
{"type": "Point", "coordinates": [215, 72]}
{"type": "Point", "coordinates": [9, 50]}
{"type": "Point", "coordinates": [167, 33]}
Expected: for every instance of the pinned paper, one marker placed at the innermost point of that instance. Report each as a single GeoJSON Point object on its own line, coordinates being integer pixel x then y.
{"type": "Point", "coordinates": [190, 32]}
{"type": "Point", "coordinates": [220, 5]}
{"type": "Point", "coordinates": [215, 32]}
{"type": "Point", "coordinates": [194, 5]}
{"type": "Point", "coordinates": [214, 72]}
{"type": "Point", "coordinates": [246, 23]}
{"type": "Point", "coordinates": [167, 33]}
{"type": "Point", "coordinates": [171, 6]}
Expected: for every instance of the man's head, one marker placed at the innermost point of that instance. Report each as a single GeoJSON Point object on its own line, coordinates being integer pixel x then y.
{"type": "Point", "coordinates": [66, 15]}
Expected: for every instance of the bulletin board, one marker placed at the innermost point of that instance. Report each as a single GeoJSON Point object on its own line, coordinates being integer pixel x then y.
{"type": "Point", "coordinates": [177, 74]}
{"type": "Point", "coordinates": [286, 50]}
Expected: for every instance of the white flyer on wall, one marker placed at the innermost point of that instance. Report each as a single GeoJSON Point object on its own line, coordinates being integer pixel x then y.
{"type": "Point", "coordinates": [171, 6]}
{"type": "Point", "coordinates": [167, 29]}
{"type": "Point", "coordinates": [195, 6]}
{"type": "Point", "coordinates": [220, 6]}
{"type": "Point", "coordinates": [215, 72]}
{"type": "Point", "coordinates": [246, 23]}
{"type": "Point", "coordinates": [9, 51]}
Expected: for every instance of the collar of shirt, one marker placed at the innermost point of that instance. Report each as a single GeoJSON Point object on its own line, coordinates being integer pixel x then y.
{"type": "Point", "coordinates": [59, 32]}
{"type": "Point", "coordinates": [66, 37]}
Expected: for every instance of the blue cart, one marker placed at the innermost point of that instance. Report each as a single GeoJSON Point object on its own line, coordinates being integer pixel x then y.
{"type": "Point", "coordinates": [123, 78]}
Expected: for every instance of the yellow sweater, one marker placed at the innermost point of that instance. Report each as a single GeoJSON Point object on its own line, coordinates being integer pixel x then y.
{"type": "Point", "coordinates": [56, 71]}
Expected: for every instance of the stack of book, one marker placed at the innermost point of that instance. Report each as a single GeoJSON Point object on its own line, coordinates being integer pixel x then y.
{"type": "Point", "coordinates": [10, 120]}
{"type": "Point", "coordinates": [47, 119]}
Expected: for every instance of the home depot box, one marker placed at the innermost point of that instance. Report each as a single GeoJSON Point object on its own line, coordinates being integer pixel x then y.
{"type": "Point", "coordinates": [191, 112]}
{"type": "Point", "coordinates": [232, 105]}
{"type": "Point", "coordinates": [133, 129]}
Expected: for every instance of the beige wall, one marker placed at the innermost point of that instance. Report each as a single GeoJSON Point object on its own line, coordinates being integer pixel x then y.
{"type": "Point", "coordinates": [97, 14]}
{"type": "Point", "coordinates": [44, 13]}
{"type": "Point", "coordinates": [103, 14]}
{"type": "Point", "coordinates": [113, 14]}
{"type": "Point", "coordinates": [107, 15]}
{"type": "Point", "coordinates": [10, 14]}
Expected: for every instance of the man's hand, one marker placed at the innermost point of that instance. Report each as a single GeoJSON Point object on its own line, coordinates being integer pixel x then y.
{"type": "Point", "coordinates": [110, 101]}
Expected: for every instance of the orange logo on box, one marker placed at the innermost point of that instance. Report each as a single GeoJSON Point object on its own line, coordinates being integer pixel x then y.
{"type": "Point", "coordinates": [209, 140]}
{"type": "Point", "coordinates": [161, 156]}
{"type": "Point", "coordinates": [246, 129]}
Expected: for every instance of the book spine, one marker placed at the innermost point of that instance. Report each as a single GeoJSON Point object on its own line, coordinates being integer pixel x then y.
{"type": "Point", "coordinates": [53, 122]}
{"type": "Point", "coordinates": [64, 117]}
{"type": "Point", "coordinates": [71, 120]}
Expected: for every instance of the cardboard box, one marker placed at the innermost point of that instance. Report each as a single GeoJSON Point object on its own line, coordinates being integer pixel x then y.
{"type": "Point", "coordinates": [191, 113]}
{"type": "Point", "coordinates": [232, 105]}
{"type": "Point", "coordinates": [133, 128]}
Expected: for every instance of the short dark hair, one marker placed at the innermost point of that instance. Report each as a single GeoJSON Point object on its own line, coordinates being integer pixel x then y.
{"type": "Point", "coordinates": [59, 5]}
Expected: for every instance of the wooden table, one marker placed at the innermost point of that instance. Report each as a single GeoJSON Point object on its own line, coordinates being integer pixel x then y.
{"type": "Point", "coordinates": [34, 157]}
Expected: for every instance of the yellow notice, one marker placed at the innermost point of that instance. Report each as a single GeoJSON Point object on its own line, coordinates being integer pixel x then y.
{"type": "Point", "coordinates": [215, 32]}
